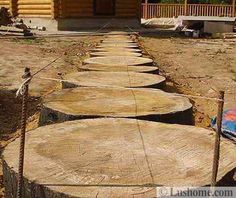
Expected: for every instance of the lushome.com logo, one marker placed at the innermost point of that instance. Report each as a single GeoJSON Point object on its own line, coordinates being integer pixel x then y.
{"type": "Point", "coordinates": [183, 192]}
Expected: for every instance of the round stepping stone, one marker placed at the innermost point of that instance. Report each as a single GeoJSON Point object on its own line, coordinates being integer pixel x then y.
{"type": "Point", "coordinates": [119, 60]}
{"type": "Point", "coordinates": [114, 158]}
{"type": "Point", "coordinates": [117, 41]}
{"type": "Point", "coordinates": [124, 45]}
{"type": "Point", "coordinates": [92, 102]}
{"type": "Point", "coordinates": [112, 49]}
{"type": "Point", "coordinates": [112, 68]}
{"type": "Point", "coordinates": [117, 46]}
{"type": "Point", "coordinates": [117, 37]}
{"type": "Point", "coordinates": [118, 33]}
{"type": "Point", "coordinates": [113, 79]}
{"type": "Point", "coordinates": [117, 53]}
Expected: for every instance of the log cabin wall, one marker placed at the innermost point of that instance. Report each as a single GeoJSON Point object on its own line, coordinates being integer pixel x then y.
{"type": "Point", "coordinates": [76, 14]}
{"type": "Point", "coordinates": [76, 8]}
{"type": "Point", "coordinates": [5, 3]}
{"type": "Point", "coordinates": [127, 8]}
{"type": "Point", "coordinates": [85, 8]}
{"type": "Point", "coordinates": [34, 8]}
{"type": "Point", "coordinates": [68, 8]}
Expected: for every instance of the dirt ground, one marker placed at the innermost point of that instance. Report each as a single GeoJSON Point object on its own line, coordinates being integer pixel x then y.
{"type": "Point", "coordinates": [198, 67]}
{"type": "Point", "coordinates": [192, 66]}
{"type": "Point", "coordinates": [15, 55]}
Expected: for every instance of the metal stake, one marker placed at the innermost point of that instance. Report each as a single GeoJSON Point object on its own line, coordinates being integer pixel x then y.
{"type": "Point", "coordinates": [217, 139]}
{"type": "Point", "coordinates": [22, 134]}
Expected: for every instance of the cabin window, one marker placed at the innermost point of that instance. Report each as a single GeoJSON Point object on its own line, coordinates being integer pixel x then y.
{"type": "Point", "coordinates": [104, 7]}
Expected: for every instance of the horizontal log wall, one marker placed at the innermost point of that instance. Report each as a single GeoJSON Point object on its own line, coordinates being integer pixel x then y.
{"type": "Point", "coordinates": [77, 8]}
{"type": "Point", "coordinates": [34, 8]}
{"type": "Point", "coordinates": [5, 3]}
{"type": "Point", "coordinates": [126, 8]}
{"type": "Point", "coordinates": [85, 8]}
{"type": "Point", "coordinates": [67, 8]}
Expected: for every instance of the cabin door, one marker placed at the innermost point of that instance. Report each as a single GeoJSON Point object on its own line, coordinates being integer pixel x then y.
{"type": "Point", "coordinates": [104, 7]}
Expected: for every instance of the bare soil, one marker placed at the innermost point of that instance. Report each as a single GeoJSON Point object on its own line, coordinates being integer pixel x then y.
{"type": "Point", "coordinates": [198, 67]}
{"type": "Point", "coordinates": [17, 54]}
{"type": "Point", "coordinates": [192, 66]}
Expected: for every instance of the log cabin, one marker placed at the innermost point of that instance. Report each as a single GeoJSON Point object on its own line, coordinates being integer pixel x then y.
{"type": "Point", "coordinates": [76, 14]}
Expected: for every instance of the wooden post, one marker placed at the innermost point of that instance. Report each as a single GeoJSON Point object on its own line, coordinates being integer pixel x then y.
{"type": "Point", "coordinates": [185, 7]}
{"type": "Point", "coordinates": [217, 139]}
{"type": "Point", "coordinates": [13, 7]}
{"type": "Point", "coordinates": [146, 9]}
{"type": "Point", "coordinates": [55, 9]}
{"type": "Point", "coordinates": [233, 8]}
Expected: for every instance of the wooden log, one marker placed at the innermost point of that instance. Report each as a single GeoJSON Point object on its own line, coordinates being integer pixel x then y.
{"type": "Point", "coordinates": [113, 79]}
{"type": "Point", "coordinates": [117, 37]}
{"type": "Point", "coordinates": [117, 33]}
{"type": "Point", "coordinates": [116, 53]}
{"type": "Point", "coordinates": [112, 68]}
{"type": "Point", "coordinates": [116, 49]}
{"type": "Point", "coordinates": [92, 102]}
{"type": "Point", "coordinates": [117, 41]}
{"type": "Point", "coordinates": [113, 158]}
{"type": "Point", "coordinates": [119, 60]}
{"type": "Point", "coordinates": [124, 45]}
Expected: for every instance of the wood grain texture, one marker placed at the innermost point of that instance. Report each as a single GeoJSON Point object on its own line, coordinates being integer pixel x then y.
{"type": "Point", "coordinates": [116, 44]}
{"type": "Point", "coordinates": [92, 102]}
{"type": "Point", "coordinates": [105, 153]}
{"type": "Point", "coordinates": [119, 60]}
{"type": "Point", "coordinates": [113, 79]}
{"type": "Point", "coordinates": [117, 41]}
{"type": "Point", "coordinates": [117, 68]}
{"type": "Point", "coordinates": [115, 53]}
{"type": "Point", "coordinates": [115, 49]}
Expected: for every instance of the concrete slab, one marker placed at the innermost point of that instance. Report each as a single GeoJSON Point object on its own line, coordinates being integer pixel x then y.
{"type": "Point", "coordinates": [218, 27]}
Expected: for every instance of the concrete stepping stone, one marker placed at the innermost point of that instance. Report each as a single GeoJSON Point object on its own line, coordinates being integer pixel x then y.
{"type": "Point", "coordinates": [115, 53]}
{"type": "Point", "coordinates": [114, 158]}
{"type": "Point", "coordinates": [119, 60]}
{"type": "Point", "coordinates": [93, 102]}
{"type": "Point", "coordinates": [113, 79]}
{"type": "Point", "coordinates": [117, 68]}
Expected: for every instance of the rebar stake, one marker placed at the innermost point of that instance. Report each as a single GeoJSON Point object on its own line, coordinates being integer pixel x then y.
{"type": "Point", "coordinates": [217, 139]}
{"type": "Point", "coordinates": [22, 133]}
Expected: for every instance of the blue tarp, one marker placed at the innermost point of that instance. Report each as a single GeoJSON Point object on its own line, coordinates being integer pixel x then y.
{"type": "Point", "coordinates": [228, 123]}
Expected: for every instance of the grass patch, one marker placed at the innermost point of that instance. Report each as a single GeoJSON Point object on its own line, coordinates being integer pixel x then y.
{"type": "Point", "coordinates": [29, 41]}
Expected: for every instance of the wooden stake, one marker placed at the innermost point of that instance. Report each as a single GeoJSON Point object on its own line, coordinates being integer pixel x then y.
{"type": "Point", "coordinates": [217, 139]}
